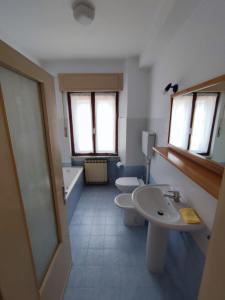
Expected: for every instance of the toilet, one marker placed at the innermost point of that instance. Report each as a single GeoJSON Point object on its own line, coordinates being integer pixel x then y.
{"type": "Point", "coordinates": [128, 184]}
{"type": "Point", "coordinates": [130, 215]}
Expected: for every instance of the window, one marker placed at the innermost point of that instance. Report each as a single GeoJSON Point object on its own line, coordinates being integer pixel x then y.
{"type": "Point", "coordinates": [93, 123]}
{"type": "Point", "coordinates": [181, 107]}
{"type": "Point", "coordinates": [192, 121]}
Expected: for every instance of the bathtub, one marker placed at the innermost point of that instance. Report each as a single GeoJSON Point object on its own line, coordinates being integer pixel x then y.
{"type": "Point", "coordinates": [73, 183]}
{"type": "Point", "coordinates": [70, 177]}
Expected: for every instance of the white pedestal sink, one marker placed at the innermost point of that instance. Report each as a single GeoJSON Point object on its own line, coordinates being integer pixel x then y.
{"type": "Point", "coordinates": [162, 214]}
{"type": "Point", "coordinates": [157, 240]}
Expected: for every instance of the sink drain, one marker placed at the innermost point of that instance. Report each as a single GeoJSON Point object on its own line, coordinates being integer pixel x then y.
{"type": "Point", "coordinates": [160, 213]}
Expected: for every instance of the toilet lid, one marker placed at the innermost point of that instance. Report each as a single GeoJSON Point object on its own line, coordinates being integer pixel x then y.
{"type": "Point", "coordinates": [128, 181]}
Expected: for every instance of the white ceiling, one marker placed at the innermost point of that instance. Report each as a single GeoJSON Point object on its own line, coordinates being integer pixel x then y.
{"type": "Point", "coordinates": [46, 30]}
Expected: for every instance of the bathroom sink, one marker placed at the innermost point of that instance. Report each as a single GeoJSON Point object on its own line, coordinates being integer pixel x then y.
{"type": "Point", "coordinates": [160, 210]}
{"type": "Point", "coordinates": [163, 215]}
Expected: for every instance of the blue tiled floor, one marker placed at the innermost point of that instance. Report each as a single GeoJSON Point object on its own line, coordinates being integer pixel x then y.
{"type": "Point", "coordinates": [109, 258]}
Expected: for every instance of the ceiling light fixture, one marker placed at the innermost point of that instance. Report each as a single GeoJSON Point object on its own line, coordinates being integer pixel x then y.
{"type": "Point", "coordinates": [83, 12]}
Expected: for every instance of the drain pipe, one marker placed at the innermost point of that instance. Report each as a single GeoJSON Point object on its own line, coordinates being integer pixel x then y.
{"type": "Point", "coordinates": [147, 175]}
{"type": "Point", "coordinates": [148, 142]}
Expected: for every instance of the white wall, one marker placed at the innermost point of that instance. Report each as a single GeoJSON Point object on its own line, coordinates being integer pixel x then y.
{"type": "Point", "coordinates": [218, 152]}
{"type": "Point", "coordinates": [122, 122]}
{"type": "Point", "coordinates": [195, 54]}
{"type": "Point", "coordinates": [12, 43]}
{"type": "Point", "coordinates": [219, 146]}
{"type": "Point", "coordinates": [136, 94]}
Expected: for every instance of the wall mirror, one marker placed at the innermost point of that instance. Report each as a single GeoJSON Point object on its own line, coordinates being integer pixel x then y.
{"type": "Point", "coordinates": [197, 120]}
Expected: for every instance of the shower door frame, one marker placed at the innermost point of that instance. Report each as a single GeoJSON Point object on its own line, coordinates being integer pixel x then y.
{"type": "Point", "coordinates": [54, 281]}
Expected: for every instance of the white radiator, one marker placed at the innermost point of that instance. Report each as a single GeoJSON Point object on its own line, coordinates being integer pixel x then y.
{"type": "Point", "coordinates": [96, 171]}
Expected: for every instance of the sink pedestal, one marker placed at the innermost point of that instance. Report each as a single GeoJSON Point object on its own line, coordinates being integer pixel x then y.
{"type": "Point", "coordinates": [157, 240]}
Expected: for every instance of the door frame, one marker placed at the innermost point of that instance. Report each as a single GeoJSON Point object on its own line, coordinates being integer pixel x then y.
{"type": "Point", "coordinates": [53, 284]}
{"type": "Point", "coordinates": [212, 285]}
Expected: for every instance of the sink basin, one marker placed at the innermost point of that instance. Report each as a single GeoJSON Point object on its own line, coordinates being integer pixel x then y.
{"type": "Point", "coordinates": [163, 214]}
{"type": "Point", "coordinates": [151, 204]}
{"type": "Point", "coordinates": [159, 209]}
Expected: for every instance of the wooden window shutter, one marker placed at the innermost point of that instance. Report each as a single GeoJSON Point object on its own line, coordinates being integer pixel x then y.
{"type": "Point", "coordinates": [90, 82]}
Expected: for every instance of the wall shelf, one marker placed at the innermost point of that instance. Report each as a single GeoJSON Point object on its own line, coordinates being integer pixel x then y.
{"type": "Point", "coordinates": [207, 179]}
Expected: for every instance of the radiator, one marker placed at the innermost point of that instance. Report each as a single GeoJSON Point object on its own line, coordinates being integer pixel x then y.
{"type": "Point", "coordinates": [96, 171]}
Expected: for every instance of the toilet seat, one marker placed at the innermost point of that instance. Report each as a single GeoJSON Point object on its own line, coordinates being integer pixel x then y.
{"type": "Point", "coordinates": [128, 181]}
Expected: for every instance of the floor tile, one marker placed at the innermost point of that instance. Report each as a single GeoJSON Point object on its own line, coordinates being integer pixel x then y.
{"type": "Point", "coordinates": [99, 220]}
{"type": "Point", "coordinates": [85, 277]}
{"type": "Point", "coordinates": [98, 230]}
{"type": "Point", "coordinates": [113, 220]}
{"type": "Point", "coordinates": [79, 256]}
{"type": "Point", "coordinates": [80, 241]}
{"type": "Point", "coordinates": [110, 293]}
{"type": "Point", "coordinates": [81, 294]}
{"type": "Point", "coordinates": [80, 229]}
{"type": "Point", "coordinates": [136, 293]}
{"type": "Point", "coordinates": [111, 242]}
{"type": "Point", "coordinates": [96, 241]}
{"type": "Point", "coordinates": [111, 276]}
{"type": "Point", "coordinates": [95, 257]}
{"type": "Point", "coordinates": [109, 258]}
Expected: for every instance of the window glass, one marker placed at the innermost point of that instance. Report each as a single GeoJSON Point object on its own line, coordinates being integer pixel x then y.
{"type": "Point", "coordinates": [82, 123]}
{"type": "Point", "coordinates": [105, 117]}
{"type": "Point", "coordinates": [202, 122]}
{"type": "Point", "coordinates": [93, 123]}
{"type": "Point", "coordinates": [180, 121]}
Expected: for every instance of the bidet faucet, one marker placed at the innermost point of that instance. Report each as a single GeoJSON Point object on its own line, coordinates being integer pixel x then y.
{"type": "Point", "coordinates": [175, 195]}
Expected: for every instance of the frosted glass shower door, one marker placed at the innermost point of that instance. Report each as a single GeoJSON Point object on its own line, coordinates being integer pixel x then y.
{"type": "Point", "coordinates": [25, 121]}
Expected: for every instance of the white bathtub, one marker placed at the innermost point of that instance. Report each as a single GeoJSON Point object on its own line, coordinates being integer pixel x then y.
{"type": "Point", "coordinates": [70, 176]}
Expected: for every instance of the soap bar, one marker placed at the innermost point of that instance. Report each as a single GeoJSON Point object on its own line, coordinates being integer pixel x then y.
{"type": "Point", "coordinates": [190, 216]}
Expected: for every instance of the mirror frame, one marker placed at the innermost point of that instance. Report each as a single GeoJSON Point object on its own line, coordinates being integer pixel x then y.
{"type": "Point", "coordinates": [203, 161]}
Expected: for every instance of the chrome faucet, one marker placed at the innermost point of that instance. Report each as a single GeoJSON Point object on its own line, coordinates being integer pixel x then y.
{"type": "Point", "coordinates": [175, 195]}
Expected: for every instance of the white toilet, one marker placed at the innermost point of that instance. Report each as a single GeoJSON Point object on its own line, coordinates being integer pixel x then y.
{"type": "Point", "coordinates": [128, 184]}
{"type": "Point", "coordinates": [131, 217]}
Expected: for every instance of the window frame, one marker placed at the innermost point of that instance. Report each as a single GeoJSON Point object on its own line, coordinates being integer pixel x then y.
{"type": "Point", "coordinates": [194, 98]}
{"type": "Point", "coordinates": [94, 153]}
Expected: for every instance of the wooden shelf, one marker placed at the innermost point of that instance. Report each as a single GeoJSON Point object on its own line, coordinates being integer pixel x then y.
{"type": "Point", "coordinates": [207, 179]}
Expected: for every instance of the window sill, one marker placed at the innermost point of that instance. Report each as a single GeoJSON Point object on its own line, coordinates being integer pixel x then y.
{"type": "Point", "coordinates": [81, 157]}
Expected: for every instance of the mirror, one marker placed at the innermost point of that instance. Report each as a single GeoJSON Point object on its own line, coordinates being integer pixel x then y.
{"type": "Point", "coordinates": [197, 120]}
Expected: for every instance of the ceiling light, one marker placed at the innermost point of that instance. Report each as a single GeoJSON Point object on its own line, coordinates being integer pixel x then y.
{"type": "Point", "coordinates": [83, 12]}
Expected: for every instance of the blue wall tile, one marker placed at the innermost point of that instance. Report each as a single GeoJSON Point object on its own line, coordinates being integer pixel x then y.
{"type": "Point", "coordinates": [151, 180]}
{"type": "Point", "coordinates": [74, 197]}
{"type": "Point", "coordinates": [132, 171]}
{"type": "Point", "coordinates": [114, 172]}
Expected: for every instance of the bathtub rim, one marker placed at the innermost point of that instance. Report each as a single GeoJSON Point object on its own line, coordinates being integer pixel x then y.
{"type": "Point", "coordinates": [73, 182]}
